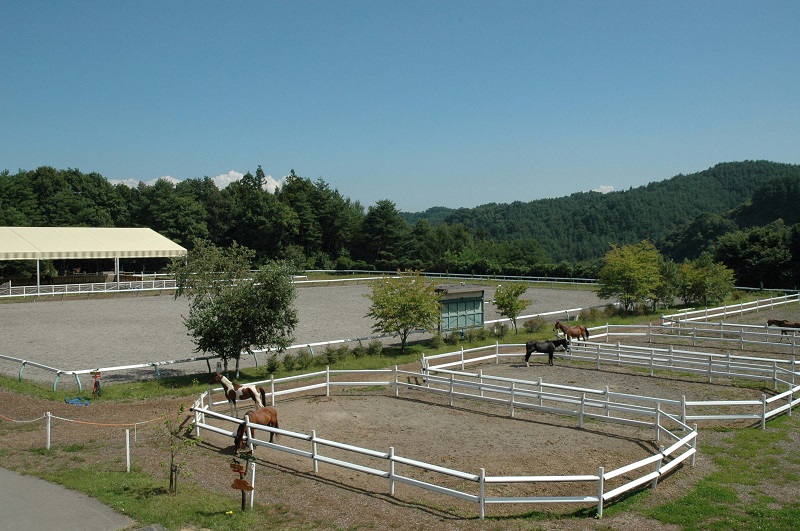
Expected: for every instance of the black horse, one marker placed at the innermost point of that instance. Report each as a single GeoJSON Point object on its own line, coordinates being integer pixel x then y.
{"type": "Point", "coordinates": [548, 347]}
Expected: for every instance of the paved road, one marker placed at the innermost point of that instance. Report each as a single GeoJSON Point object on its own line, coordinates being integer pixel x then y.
{"type": "Point", "coordinates": [29, 503]}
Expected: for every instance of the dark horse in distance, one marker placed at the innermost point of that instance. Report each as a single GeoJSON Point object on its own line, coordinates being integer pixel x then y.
{"type": "Point", "coordinates": [549, 346]}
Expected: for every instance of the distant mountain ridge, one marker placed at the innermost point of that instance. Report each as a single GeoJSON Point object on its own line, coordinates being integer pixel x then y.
{"type": "Point", "coordinates": [581, 226]}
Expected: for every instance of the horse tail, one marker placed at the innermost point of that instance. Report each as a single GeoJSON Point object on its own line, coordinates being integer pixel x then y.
{"type": "Point", "coordinates": [263, 394]}
{"type": "Point", "coordinates": [586, 331]}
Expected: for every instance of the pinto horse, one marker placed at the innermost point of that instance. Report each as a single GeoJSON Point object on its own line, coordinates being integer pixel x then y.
{"type": "Point", "coordinates": [234, 392]}
{"type": "Point", "coordinates": [572, 332]}
{"type": "Point", "coordinates": [266, 416]}
{"type": "Point", "coordinates": [547, 347]}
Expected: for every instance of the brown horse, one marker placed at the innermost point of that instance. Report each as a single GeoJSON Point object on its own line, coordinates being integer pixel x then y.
{"type": "Point", "coordinates": [266, 416]}
{"type": "Point", "coordinates": [234, 392]}
{"type": "Point", "coordinates": [783, 324]}
{"type": "Point", "coordinates": [572, 332]}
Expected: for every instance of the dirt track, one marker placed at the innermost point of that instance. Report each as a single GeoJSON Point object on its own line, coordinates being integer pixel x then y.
{"type": "Point", "coordinates": [85, 334]}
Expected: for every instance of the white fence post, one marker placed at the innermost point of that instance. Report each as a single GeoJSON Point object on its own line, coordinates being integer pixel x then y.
{"type": "Point", "coordinates": [272, 389]}
{"type": "Point", "coordinates": [452, 389]}
{"type": "Point", "coordinates": [127, 450]}
{"type": "Point", "coordinates": [683, 411]}
{"type": "Point", "coordinates": [47, 436]}
{"type": "Point", "coordinates": [658, 468]}
{"type": "Point", "coordinates": [252, 484]}
{"type": "Point", "coordinates": [496, 352]}
{"type": "Point", "coordinates": [483, 493]}
{"type": "Point", "coordinates": [391, 470]}
{"type": "Point", "coordinates": [314, 451]}
{"type": "Point", "coordinates": [511, 402]}
{"type": "Point", "coordinates": [658, 422]}
{"type": "Point", "coordinates": [763, 412]}
{"type": "Point", "coordinates": [600, 475]}
{"type": "Point", "coordinates": [580, 416]}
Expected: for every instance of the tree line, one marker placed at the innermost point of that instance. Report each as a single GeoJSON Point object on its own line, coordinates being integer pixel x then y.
{"type": "Point", "coordinates": [742, 213]}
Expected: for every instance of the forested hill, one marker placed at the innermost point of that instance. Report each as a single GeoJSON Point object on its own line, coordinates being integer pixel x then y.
{"type": "Point", "coordinates": [581, 226]}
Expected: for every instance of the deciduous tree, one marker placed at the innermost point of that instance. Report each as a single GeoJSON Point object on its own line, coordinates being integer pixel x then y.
{"type": "Point", "coordinates": [508, 302]}
{"type": "Point", "coordinates": [403, 304]}
{"type": "Point", "coordinates": [233, 309]}
{"type": "Point", "coordinates": [631, 274]}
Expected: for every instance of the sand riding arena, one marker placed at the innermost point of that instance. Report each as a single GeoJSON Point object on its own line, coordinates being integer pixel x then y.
{"type": "Point", "coordinates": [479, 433]}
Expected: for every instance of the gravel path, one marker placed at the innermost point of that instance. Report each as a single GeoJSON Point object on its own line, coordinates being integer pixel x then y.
{"type": "Point", "coordinates": [84, 334]}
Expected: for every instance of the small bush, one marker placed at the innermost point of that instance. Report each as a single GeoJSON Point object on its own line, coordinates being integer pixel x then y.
{"type": "Point", "coordinates": [436, 341]}
{"type": "Point", "coordinates": [476, 334]}
{"type": "Point", "coordinates": [273, 364]}
{"type": "Point", "coordinates": [360, 351]}
{"type": "Point", "coordinates": [289, 361]}
{"type": "Point", "coordinates": [374, 348]}
{"type": "Point", "coordinates": [501, 330]}
{"type": "Point", "coordinates": [454, 338]}
{"type": "Point", "coordinates": [304, 359]}
{"type": "Point", "coordinates": [534, 325]}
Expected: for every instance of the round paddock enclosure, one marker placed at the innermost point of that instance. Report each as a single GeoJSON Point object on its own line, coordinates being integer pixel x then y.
{"type": "Point", "coordinates": [466, 437]}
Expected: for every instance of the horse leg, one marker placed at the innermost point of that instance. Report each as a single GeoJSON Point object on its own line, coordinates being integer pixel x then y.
{"type": "Point", "coordinates": [550, 357]}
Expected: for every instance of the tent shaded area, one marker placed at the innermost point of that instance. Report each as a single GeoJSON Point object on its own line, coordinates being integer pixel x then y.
{"type": "Point", "coordinates": [49, 243]}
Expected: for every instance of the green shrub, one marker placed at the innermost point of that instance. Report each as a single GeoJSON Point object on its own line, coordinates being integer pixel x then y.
{"type": "Point", "coordinates": [289, 361]}
{"type": "Point", "coordinates": [304, 359]}
{"type": "Point", "coordinates": [534, 325]}
{"type": "Point", "coordinates": [359, 351]}
{"type": "Point", "coordinates": [273, 364]}
{"type": "Point", "coordinates": [436, 341]}
{"type": "Point", "coordinates": [374, 348]}
{"type": "Point", "coordinates": [476, 334]}
{"type": "Point", "coordinates": [454, 338]}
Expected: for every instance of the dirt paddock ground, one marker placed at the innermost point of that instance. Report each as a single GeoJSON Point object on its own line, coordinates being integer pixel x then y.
{"type": "Point", "coordinates": [420, 426]}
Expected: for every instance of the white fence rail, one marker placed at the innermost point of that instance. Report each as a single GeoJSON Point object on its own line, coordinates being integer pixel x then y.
{"type": "Point", "coordinates": [696, 332]}
{"type": "Point", "coordinates": [512, 394]}
{"type": "Point", "coordinates": [731, 310]}
{"type": "Point", "coordinates": [137, 286]}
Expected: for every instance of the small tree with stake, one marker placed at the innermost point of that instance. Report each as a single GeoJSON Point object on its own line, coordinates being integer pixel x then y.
{"type": "Point", "coordinates": [508, 302]}
{"type": "Point", "coordinates": [169, 435]}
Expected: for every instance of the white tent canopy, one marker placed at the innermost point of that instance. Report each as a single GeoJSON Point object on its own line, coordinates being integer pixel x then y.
{"type": "Point", "coordinates": [48, 243]}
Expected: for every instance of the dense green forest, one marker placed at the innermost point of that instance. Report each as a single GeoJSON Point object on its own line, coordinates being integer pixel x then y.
{"type": "Point", "coordinates": [743, 212]}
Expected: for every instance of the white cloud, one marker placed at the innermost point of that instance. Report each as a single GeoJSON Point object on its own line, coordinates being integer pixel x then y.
{"type": "Point", "coordinates": [133, 183]}
{"type": "Point", "coordinates": [222, 180]}
{"type": "Point", "coordinates": [604, 188]}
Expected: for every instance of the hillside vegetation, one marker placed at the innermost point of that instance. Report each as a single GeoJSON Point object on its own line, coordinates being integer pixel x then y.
{"type": "Point", "coordinates": [743, 213]}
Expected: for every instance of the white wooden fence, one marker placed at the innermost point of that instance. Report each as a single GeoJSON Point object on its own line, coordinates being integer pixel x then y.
{"type": "Point", "coordinates": [731, 310]}
{"type": "Point", "coordinates": [780, 373]}
{"type": "Point", "coordinates": [478, 486]}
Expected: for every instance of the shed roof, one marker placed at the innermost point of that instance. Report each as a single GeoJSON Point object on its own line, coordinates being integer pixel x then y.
{"type": "Point", "coordinates": [45, 243]}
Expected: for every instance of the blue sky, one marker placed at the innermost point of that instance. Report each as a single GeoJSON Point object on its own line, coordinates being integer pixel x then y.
{"type": "Point", "coordinates": [432, 103]}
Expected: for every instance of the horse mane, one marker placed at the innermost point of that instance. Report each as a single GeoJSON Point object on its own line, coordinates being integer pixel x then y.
{"type": "Point", "coordinates": [239, 433]}
{"type": "Point", "coordinates": [263, 394]}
